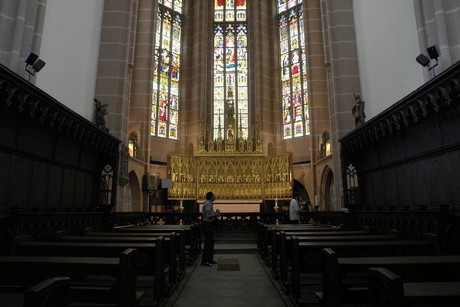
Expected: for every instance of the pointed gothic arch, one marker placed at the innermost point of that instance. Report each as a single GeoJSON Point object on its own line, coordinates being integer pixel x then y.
{"type": "Point", "coordinates": [135, 192]}
{"type": "Point", "coordinates": [299, 187]}
{"type": "Point", "coordinates": [327, 190]}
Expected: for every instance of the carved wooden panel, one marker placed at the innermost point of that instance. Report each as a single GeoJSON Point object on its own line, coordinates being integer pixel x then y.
{"type": "Point", "coordinates": [50, 157]}
{"type": "Point", "coordinates": [407, 156]}
{"type": "Point", "coordinates": [236, 177]}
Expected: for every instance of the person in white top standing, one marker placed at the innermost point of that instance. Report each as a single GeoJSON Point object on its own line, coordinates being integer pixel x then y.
{"type": "Point", "coordinates": [295, 209]}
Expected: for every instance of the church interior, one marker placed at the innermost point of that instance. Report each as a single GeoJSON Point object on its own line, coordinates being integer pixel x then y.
{"type": "Point", "coordinates": [117, 117]}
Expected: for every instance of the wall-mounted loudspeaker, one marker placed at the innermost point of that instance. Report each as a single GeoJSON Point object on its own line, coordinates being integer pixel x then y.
{"type": "Point", "coordinates": [423, 60]}
{"type": "Point", "coordinates": [150, 183]}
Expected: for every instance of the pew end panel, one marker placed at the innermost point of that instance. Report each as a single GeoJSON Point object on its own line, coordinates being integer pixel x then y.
{"type": "Point", "coordinates": [338, 286]}
{"type": "Point", "coordinates": [385, 288]}
{"type": "Point", "coordinates": [128, 278]}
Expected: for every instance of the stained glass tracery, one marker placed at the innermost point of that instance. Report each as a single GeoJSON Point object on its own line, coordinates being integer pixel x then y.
{"type": "Point", "coordinates": [293, 69]}
{"type": "Point", "coordinates": [166, 74]}
{"type": "Point", "coordinates": [230, 75]}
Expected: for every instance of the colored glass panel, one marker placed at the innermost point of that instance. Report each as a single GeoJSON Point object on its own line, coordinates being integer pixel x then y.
{"type": "Point", "coordinates": [175, 5]}
{"type": "Point", "coordinates": [293, 62]}
{"type": "Point", "coordinates": [230, 89]}
{"type": "Point", "coordinates": [293, 3]}
{"type": "Point", "coordinates": [166, 70]}
{"type": "Point", "coordinates": [281, 6]}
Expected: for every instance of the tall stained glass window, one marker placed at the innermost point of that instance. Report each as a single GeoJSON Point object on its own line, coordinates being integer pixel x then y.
{"type": "Point", "coordinates": [165, 91]}
{"type": "Point", "coordinates": [230, 108]}
{"type": "Point", "coordinates": [293, 61]}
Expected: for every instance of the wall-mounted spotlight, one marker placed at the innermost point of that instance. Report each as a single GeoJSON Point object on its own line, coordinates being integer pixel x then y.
{"type": "Point", "coordinates": [33, 63]}
{"type": "Point", "coordinates": [434, 53]}
{"type": "Point", "coordinates": [423, 60]}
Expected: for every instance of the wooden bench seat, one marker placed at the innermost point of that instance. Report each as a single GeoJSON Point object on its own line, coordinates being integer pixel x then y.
{"type": "Point", "coordinates": [171, 256]}
{"type": "Point", "coordinates": [150, 258]}
{"type": "Point", "coordinates": [275, 241]}
{"type": "Point", "coordinates": [192, 236]}
{"type": "Point", "coordinates": [265, 234]}
{"type": "Point", "coordinates": [180, 242]}
{"type": "Point", "coordinates": [388, 289]}
{"type": "Point", "coordinates": [306, 256]}
{"type": "Point", "coordinates": [284, 259]}
{"type": "Point", "coordinates": [28, 269]}
{"type": "Point", "coordinates": [334, 269]}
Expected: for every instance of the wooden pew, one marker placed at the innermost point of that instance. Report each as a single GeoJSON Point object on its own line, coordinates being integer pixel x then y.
{"type": "Point", "coordinates": [179, 239]}
{"type": "Point", "coordinates": [335, 268]}
{"type": "Point", "coordinates": [265, 235]}
{"type": "Point", "coordinates": [170, 256]}
{"type": "Point", "coordinates": [28, 269]}
{"type": "Point", "coordinates": [276, 249]}
{"type": "Point", "coordinates": [191, 232]}
{"type": "Point", "coordinates": [286, 249]}
{"type": "Point", "coordinates": [150, 260]}
{"type": "Point", "coordinates": [388, 289]}
{"type": "Point", "coordinates": [307, 255]}
{"type": "Point", "coordinates": [276, 236]}
{"type": "Point", "coordinates": [53, 291]}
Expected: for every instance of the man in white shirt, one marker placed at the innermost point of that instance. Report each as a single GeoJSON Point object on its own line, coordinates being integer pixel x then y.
{"type": "Point", "coordinates": [295, 209]}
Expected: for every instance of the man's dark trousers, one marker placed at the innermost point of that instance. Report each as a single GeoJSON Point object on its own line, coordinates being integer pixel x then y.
{"type": "Point", "coordinates": [208, 249]}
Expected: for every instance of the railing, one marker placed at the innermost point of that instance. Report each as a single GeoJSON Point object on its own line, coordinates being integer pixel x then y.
{"type": "Point", "coordinates": [45, 225]}
{"type": "Point", "coordinates": [409, 224]}
{"type": "Point", "coordinates": [239, 221]}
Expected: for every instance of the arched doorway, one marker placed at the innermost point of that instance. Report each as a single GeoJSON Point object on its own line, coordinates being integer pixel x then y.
{"type": "Point", "coordinates": [328, 189]}
{"type": "Point", "coordinates": [135, 192]}
{"type": "Point", "coordinates": [299, 187]}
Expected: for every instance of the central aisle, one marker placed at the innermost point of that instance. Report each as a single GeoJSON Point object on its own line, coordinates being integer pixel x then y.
{"type": "Point", "coordinates": [249, 286]}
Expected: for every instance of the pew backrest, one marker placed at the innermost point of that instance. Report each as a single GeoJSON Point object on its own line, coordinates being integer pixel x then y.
{"type": "Point", "coordinates": [313, 250]}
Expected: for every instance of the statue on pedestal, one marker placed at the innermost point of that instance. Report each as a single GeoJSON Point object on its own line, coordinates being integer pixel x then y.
{"type": "Point", "coordinates": [101, 113]}
{"type": "Point", "coordinates": [358, 110]}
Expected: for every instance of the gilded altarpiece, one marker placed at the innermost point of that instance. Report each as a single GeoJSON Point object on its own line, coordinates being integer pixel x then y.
{"type": "Point", "coordinates": [236, 176]}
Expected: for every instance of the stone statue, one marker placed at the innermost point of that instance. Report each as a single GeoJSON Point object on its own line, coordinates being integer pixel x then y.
{"type": "Point", "coordinates": [358, 110]}
{"type": "Point", "coordinates": [101, 113]}
{"type": "Point", "coordinates": [326, 137]}
{"type": "Point", "coordinates": [230, 135]}
{"type": "Point", "coordinates": [324, 145]}
{"type": "Point", "coordinates": [230, 111]}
